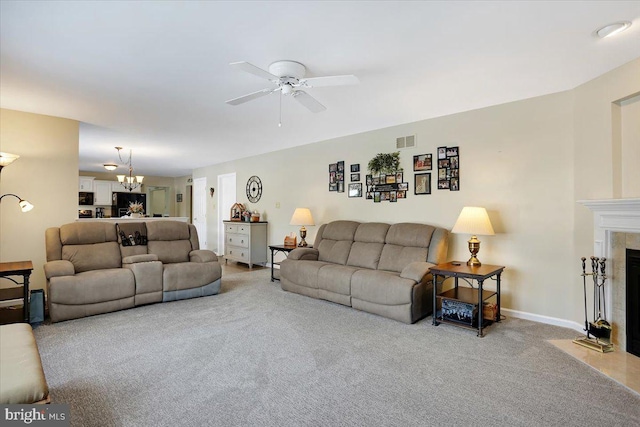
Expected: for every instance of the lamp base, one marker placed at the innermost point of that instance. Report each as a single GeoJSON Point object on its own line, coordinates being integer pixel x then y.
{"type": "Point", "coordinates": [474, 262]}
{"type": "Point", "coordinates": [474, 248]}
{"type": "Point", "coordinates": [303, 234]}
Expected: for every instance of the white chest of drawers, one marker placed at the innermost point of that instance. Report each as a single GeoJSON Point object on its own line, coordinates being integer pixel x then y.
{"type": "Point", "coordinates": [245, 242]}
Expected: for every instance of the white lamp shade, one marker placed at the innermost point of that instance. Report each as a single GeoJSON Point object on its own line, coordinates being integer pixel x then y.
{"type": "Point", "coordinates": [302, 216]}
{"type": "Point", "coordinates": [473, 220]}
{"type": "Point", "coordinates": [7, 158]}
{"type": "Point", "coordinates": [25, 206]}
{"type": "Point", "coordinates": [120, 178]}
{"type": "Point", "coordinates": [139, 178]}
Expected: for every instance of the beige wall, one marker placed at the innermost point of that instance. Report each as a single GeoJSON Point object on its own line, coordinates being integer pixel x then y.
{"type": "Point", "coordinates": [46, 174]}
{"type": "Point", "coordinates": [515, 161]}
{"type": "Point", "coordinates": [527, 162]}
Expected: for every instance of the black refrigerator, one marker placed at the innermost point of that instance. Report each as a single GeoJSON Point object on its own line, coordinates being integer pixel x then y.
{"type": "Point", "coordinates": [120, 203]}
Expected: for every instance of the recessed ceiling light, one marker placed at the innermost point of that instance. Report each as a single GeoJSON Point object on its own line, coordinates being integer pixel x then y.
{"type": "Point", "coordinates": [612, 29]}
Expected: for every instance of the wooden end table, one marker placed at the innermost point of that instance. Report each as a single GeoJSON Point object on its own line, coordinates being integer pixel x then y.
{"type": "Point", "coordinates": [21, 291]}
{"type": "Point", "coordinates": [467, 295]}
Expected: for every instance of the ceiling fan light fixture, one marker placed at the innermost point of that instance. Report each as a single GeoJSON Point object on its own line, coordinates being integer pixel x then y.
{"type": "Point", "coordinates": [612, 29]}
{"type": "Point", "coordinates": [110, 166]}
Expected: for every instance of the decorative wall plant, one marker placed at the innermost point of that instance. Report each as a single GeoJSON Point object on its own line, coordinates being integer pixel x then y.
{"type": "Point", "coordinates": [384, 163]}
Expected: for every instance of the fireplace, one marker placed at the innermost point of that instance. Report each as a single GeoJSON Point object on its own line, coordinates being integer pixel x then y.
{"type": "Point", "coordinates": [616, 225]}
{"type": "Point", "coordinates": [633, 301]}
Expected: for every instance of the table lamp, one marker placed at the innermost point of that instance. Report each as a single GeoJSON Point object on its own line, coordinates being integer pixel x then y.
{"type": "Point", "coordinates": [302, 216]}
{"type": "Point", "coordinates": [473, 220]}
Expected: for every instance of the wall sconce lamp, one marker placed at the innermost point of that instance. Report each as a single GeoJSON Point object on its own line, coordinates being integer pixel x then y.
{"type": "Point", "coordinates": [473, 220]}
{"type": "Point", "coordinates": [25, 206]}
{"type": "Point", "coordinates": [6, 159]}
{"type": "Point", "coordinates": [302, 216]}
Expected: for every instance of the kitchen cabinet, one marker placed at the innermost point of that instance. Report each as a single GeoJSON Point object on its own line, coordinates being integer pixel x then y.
{"type": "Point", "coordinates": [86, 183]}
{"type": "Point", "coordinates": [102, 193]}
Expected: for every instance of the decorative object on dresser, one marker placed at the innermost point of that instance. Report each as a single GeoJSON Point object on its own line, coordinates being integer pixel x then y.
{"type": "Point", "coordinates": [473, 220]}
{"type": "Point", "coordinates": [235, 213]}
{"type": "Point", "coordinates": [245, 242]}
{"type": "Point", "coordinates": [25, 206]}
{"type": "Point", "coordinates": [302, 217]}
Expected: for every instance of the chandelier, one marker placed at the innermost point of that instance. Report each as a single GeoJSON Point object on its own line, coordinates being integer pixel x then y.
{"type": "Point", "coordinates": [130, 182]}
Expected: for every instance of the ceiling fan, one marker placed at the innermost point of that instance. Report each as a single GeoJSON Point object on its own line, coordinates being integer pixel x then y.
{"type": "Point", "coordinates": [288, 76]}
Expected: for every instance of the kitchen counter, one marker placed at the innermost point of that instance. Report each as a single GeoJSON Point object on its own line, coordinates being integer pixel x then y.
{"type": "Point", "coordinates": [156, 218]}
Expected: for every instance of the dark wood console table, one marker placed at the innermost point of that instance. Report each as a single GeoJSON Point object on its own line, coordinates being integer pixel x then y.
{"type": "Point", "coordinates": [21, 291]}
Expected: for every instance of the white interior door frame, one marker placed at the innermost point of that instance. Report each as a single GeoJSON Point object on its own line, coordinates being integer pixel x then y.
{"type": "Point", "coordinates": [200, 209]}
{"type": "Point", "coordinates": [226, 198]}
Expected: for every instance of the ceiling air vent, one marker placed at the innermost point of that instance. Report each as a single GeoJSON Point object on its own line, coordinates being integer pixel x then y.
{"type": "Point", "coordinates": [406, 142]}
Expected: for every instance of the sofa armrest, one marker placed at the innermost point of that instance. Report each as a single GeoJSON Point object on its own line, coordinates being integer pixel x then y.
{"type": "Point", "coordinates": [416, 271]}
{"type": "Point", "coordinates": [202, 255]}
{"type": "Point", "coordinates": [58, 268]}
{"type": "Point", "coordinates": [134, 259]}
{"type": "Point", "coordinates": [303, 254]}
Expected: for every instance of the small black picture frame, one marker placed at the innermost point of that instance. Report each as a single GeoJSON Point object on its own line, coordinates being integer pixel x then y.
{"type": "Point", "coordinates": [355, 177]}
{"type": "Point", "coordinates": [422, 162]}
{"type": "Point", "coordinates": [422, 183]}
{"type": "Point", "coordinates": [355, 190]}
{"type": "Point", "coordinates": [355, 167]}
{"type": "Point", "coordinates": [179, 198]}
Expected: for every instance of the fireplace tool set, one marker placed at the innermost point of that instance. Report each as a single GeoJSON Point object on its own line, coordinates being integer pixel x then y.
{"type": "Point", "coordinates": [599, 331]}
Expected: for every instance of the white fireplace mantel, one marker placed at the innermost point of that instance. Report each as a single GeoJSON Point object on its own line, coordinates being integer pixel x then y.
{"type": "Point", "coordinates": [612, 216]}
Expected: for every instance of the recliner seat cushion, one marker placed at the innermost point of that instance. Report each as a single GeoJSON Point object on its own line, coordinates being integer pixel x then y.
{"type": "Point", "coordinates": [92, 287]}
{"type": "Point", "coordinates": [179, 276]}
{"type": "Point", "coordinates": [301, 272]}
{"type": "Point", "coordinates": [381, 287]}
{"type": "Point", "coordinates": [336, 278]}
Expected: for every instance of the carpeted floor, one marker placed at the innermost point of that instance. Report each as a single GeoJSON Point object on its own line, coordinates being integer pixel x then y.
{"type": "Point", "coordinates": [256, 355]}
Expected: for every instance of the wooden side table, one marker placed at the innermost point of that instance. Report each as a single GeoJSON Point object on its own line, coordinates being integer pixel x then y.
{"type": "Point", "coordinates": [274, 250]}
{"type": "Point", "coordinates": [466, 295]}
{"type": "Point", "coordinates": [21, 291]}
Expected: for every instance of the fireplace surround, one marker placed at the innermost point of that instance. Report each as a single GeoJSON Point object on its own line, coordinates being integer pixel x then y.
{"type": "Point", "coordinates": [616, 225]}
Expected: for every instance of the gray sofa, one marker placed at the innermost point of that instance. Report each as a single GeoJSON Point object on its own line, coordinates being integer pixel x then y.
{"type": "Point", "coordinates": [89, 271]}
{"type": "Point", "coordinates": [374, 267]}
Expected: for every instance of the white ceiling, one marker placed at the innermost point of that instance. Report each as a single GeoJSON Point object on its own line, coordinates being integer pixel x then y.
{"type": "Point", "coordinates": [154, 75]}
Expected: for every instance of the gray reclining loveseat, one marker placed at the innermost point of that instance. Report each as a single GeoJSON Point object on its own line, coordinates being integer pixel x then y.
{"type": "Point", "coordinates": [374, 267]}
{"type": "Point", "coordinates": [89, 271]}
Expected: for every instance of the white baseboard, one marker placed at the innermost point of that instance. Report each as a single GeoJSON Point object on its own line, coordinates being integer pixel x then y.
{"type": "Point", "coordinates": [544, 319]}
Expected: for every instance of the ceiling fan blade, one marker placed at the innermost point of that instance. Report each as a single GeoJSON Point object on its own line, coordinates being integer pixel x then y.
{"type": "Point", "coordinates": [308, 101]}
{"type": "Point", "coordinates": [252, 69]}
{"type": "Point", "coordinates": [349, 79]}
{"type": "Point", "coordinates": [249, 97]}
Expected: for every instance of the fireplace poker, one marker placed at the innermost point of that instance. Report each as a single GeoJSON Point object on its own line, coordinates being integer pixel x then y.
{"type": "Point", "coordinates": [584, 286]}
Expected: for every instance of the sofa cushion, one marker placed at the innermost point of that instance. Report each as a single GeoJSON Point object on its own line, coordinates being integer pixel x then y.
{"type": "Point", "coordinates": [395, 258]}
{"type": "Point", "coordinates": [170, 251]}
{"type": "Point", "coordinates": [96, 256]}
{"type": "Point", "coordinates": [367, 247]}
{"type": "Point", "coordinates": [301, 272]}
{"type": "Point", "coordinates": [81, 233]}
{"type": "Point", "coordinates": [335, 244]}
{"type": "Point", "coordinates": [381, 287]}
{"type": "Point", "coordinates": [336, 278]}
{"type": "Point", "coordinates": [167, 230]}
{"type": "Point", "coordinates": [410, 234]}
{"type": "Point", "coordinates": [189, 275]}
{"type": "Point", "coordinates": [92, 287]}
